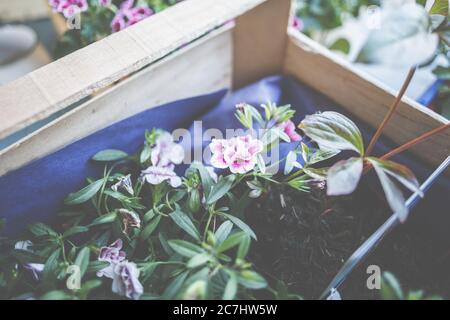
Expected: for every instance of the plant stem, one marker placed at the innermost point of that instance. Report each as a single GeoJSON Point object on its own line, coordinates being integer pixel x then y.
{"type": "Point", "coordinates": [392, 110]}
{"type": "Point", "coordinates": [410, 144]}
{"type": "Point", "coordinates": [415, 141]}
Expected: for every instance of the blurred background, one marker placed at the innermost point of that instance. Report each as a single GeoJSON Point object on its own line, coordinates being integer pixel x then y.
{"type": "Point", "coordinates": [36, 32]}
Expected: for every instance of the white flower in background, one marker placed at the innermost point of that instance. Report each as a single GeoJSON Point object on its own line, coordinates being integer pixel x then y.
{"type": "Point", "coordinates": [112, 254]}
{"type": "Point", "coordinates": [125, 274]}
{"type": "Point", "coordinates": [157, 175]}
{"type": "Point", "coordinates": [126, 280]}
{"type": "Point", "coordinates": [166, 152]}
{"type": "Point", "coordinates": [124, 183]}
{"type": "Point", "coordinates": [35, 268]}
{"type": "Point", "coordinates": [239, 154]}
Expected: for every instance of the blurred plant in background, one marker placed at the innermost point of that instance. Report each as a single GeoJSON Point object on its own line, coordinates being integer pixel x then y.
{"type": "Point", "coordinates": [100, 18]}
{"type": "Point", "coordinates": [391, 289]}
{"type": "Point", "coordinates": [385, 32]}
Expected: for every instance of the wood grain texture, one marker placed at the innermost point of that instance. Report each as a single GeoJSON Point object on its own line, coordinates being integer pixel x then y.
{"type": "Point", "coordinates": [364, 97]}
{"type": "Point", "coordinates": [183, 74]}
{"type": "Point", "coordinates": [23, 10]}
{"type": "Point", "coordinates": [68, 80]}
{"type": "Point", "coordinates": [260, 40]}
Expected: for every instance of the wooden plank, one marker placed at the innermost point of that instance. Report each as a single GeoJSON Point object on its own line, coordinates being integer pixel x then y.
{"type": "Point", "coordinates": [365, 97]}
{"type": "Point", "coordinates": [182, 75]}
{"type": "Point", "coordinates": [68, 80]}
{"type": "Point", "coordinates": [260, 40]}
{"type": "Point", "coordinates": [23, 10]}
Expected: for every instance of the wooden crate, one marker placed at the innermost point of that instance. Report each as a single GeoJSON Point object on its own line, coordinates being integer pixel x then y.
{"type": "Point", "coordinates": [194, 48]}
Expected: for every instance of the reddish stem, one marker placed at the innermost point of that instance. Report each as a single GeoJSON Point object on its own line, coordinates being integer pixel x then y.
{"type": "Point", "coordinates": [411, 144]}
{"type": "Point", "coordinates": [392, 110]}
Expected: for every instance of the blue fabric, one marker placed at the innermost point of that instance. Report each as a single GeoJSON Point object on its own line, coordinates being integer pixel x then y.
{"type": "Point", "coordinates": [36, 192]}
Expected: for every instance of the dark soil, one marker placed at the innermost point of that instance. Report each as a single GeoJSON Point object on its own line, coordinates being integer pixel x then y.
{"type": "Point", "coordinates": [305, 241]}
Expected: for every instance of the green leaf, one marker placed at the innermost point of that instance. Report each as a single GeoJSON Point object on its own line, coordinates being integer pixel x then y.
{"type": "Point", "coordinates": [51, 264]}
{"type": "Point", "coordinates": [95, 266]}
{"type": "Point", "coordinates": [174, 287]}
{"type": "Point", "coordinates": [56, 295]}
{"type": "Point", "coordinates": [390, 287]}
{"type": "Point", "coordinates": [41, 229]}
{"type": "Point", "coordinates": [184, 222]}
{"type": "Point", "coordinates": [241, 225]}
{"type": "Point", "coordinates": [145, 154]}
{"type": "Point", "coordinates": [231, 242]}
{"type": "Point", "coordinates": [333, 131]}
{"type": "Point", "coordinates": [223, 231]}
{"type": "Point", "coordinates": [442, 73]}
{"type": "Point", "coordinates": [319, 174]}
{"type": "Point", "coordinates": [251, 280]}
{"type": "Point", "coordinates": [394, 195]}
{"type": "Point", "coordinates": [439, 7]}
{"type": "Point", "coordinates": [184, 248]}
{"type": "Point", "coordinates": [82, 260]}
{"type": "Point", "coordinates": [231, 288]}
{"type": "Point", "coordinates": [399, 172]}
{"type": "Point", "coordinates": [401, 32]}
{"type": "Point", "coordinates": [322, 155]}
{"type": "Point", "coordinates": [198, 260]}
{"type": "Point", "coordinates": [75, 230]}
{"type": "Point", "coordinates": [244, 246]}
{"type": "Point", "coordinates": [342, 45]}
{"type": "Point", "coordinates": [207, 181]}
{"type": "Point", "coordinates": [150, 228]}
{"type": "Point", "coordinates": [220, 189]}
{"type": "Point", "coordinates": [84, 194]}
{"type": "Point", "coordinates": [343, 177]}
{"type": "Point", "coordinates": [290, 159]}
{"type": "Point", "coordinates": [110, 155]}
{"type": "Point", "coordinates": [104, 219]}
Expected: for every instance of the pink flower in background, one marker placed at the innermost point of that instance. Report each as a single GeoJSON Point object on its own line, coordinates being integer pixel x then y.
{"type": "Point", "coordinates": [239, 154]}
{"type": "Point", "coordinates": [129, 15]}
{"type": "Point", "coordinates": [69, 8]}
{"type": "Point", "coordinates": [104, 3]}
{"type": "Point", "coordinates": [289, 128]}
{"type": "Point", "coordinates": [157, 175]}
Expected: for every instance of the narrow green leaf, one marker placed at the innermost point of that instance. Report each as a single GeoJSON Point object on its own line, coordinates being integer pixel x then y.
{"type": "Point", "coordinates": [184, 222]}
{"type": "Point", "coordinates": [84, 194]}
{"type": "Point", "coordinates": [251, 280]}
{"type": "Point", "coordinates": [82, 260]}
{"type": "Point", "coordinates": [184, 248]}
{"type": "Point", "coordinates": [220, 189]}
{"type": "Point", "coordinates": [244, 246]}
{"type": "Point", "coordinates": [232, 241]}
{"type": "Point", "coordinates": [146, 153]}
{"type": "Point", "coordinates": [104, 219]}
{"type": "Point", "coordinates": [231, 288]}
{"type": "Point", "coordinates": [241, 225]}
{"type": "Point", "coordinates": [150, 228]}
{"type": "Point", "coordinates": [207, 181]}
{"type": "Point", "coordinates": [198, 260]}
{"type": "Point", "coordinates": [41, 229]}
{"type": "Point", "coordinates": [110, 155]}
{"type": "Point", "coordinates": [174, 287]}
{"type": "Point", "coordinates": [223, 231]}
{"type": "Point", "coordinates": [75, 230]}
